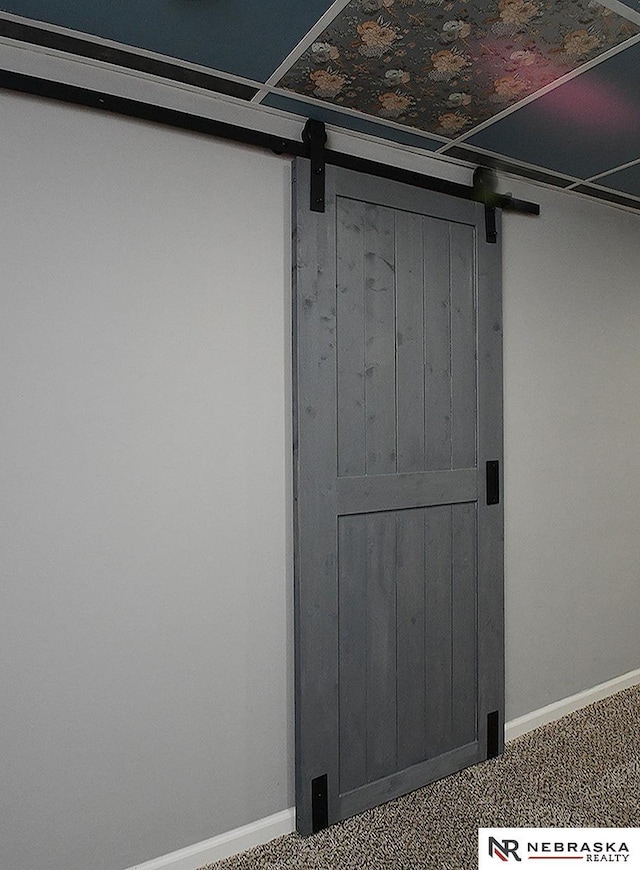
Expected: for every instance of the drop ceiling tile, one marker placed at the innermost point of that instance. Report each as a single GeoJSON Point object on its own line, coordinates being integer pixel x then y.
{"type": "Point", "coordinates": [626, 180]}
{"type": "Point", "coordinates": [235, 36]}
{"type": "Point", "coordinates": [582, 128]}
{"type": "Point", "coordinates": [359, 123]}
{"type": "Point", "coordinates": [444, 67]}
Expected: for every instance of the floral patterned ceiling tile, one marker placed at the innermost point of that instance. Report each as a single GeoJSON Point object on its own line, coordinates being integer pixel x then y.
{"type": "Point", "coordinates": [444, 66]}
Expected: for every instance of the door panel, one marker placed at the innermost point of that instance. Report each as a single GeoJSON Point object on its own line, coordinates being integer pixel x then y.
{"type": "Point", "coordinates": [406, 364]}
{"type": "Point", "coordinates": [407, 674]}
{"type": "Point", "coordinates": [398, 560]}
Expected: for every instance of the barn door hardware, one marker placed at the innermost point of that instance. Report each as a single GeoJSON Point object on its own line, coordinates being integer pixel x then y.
{"type": "Point", "coordinates": [319, 803]}
{"type": "Point", "coordinates": [493, 482]}
{"type": "Point", "coordinates": [44, 87]}
{"type": "Point", "coordinates": [314, 135]}
{"type": "Point", "coordinates": [485, 185]}
{"type": "Point", "coordinates": [490, 224]}
{"type": "Point", "coordinates": [493, 734]}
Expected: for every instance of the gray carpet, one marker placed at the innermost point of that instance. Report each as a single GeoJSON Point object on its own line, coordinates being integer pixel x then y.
{"type": "Point", "coordinates": [581, 771]}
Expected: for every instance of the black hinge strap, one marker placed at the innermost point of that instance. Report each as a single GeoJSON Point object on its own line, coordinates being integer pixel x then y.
{"type": "Point", "coordinates": [490, 224]}
{"type": "Point", "coordinates": [485, 185]}
{"type": "Point", "coordinates": [493, 734]}
{"type": "Point", "coordinates": [319, 803]}
{"type": "Point", "coordinates": [314, 135]}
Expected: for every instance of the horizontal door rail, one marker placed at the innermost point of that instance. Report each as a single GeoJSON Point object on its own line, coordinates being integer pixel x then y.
{"type": "Point", "coordinates": [381, 492]}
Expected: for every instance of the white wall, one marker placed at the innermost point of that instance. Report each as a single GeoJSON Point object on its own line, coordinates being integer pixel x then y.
{"type": "Point", "coordinates": [572, 447]}
{"type": "Point", "coordinates": [144, 672]}
{"type": "Point", "coordinates": [145, 618]}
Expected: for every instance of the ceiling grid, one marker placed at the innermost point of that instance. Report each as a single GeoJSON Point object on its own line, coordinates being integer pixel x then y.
{"type": "Point", "coordinates": [544, 89]}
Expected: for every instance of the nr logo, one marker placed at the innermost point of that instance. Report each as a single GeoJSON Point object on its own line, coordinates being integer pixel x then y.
{"type": "Point", "coordinates": [505, 850]}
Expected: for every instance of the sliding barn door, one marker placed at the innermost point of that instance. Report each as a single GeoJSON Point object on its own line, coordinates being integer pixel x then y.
{"type": "Point", "coordinates": [398, 431]}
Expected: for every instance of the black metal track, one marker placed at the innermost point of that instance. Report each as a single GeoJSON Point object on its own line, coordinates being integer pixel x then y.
{"type": "Point", "coordinates": [222, 130]}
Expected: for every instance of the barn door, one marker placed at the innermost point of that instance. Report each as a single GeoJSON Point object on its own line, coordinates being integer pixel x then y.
{"type": "Point", "coordinates": [398, 431]}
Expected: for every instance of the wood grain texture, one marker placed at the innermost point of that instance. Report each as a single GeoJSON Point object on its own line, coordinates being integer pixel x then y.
{"type": "Point", "coordinates": [398, 561]}
{"type": "Point", "coordinates": [463, 346]}
{"type": "Point", "coordinates": [410, 344]}
{"type": "Point", "coordinates": [411, 585]}
{"type": "Point", "coordinates": [350, 297]}
{"type": "Point", "coordinates": [379, 323]}
{"type": "Point", "coordinates": [437, 331]}
{"type": "Point", "coordinates": [353, 631]}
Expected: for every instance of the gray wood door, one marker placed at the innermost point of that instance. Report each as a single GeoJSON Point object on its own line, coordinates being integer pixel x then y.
{"type": "Point", "coordinates": [398, 556]}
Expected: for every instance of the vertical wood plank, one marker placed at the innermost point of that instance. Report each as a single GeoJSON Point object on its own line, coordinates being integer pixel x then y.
{"type": "Point", "coordinates": [438, 639]}
{"type": "Point", "coordinates": [438, 423]}
{"type": "Point", "coordinates": [411, 665]}
{"type": "Point", "coordinates": [350, 330]}
{"type": "Point", "coordinates": [380, 368]}
{"type": "Point", "coordinates": [464, 656]}
{"type": "Point", "coordinates": [381, 645]}
{"type": "Point", "coordinates": [463, 343]}
{"type": "Point", "coordinates": [352, 556]}
{"type": "Point", "coordinates": [410, 341]}
{"type": "Point", "coordinates": [315, 554]}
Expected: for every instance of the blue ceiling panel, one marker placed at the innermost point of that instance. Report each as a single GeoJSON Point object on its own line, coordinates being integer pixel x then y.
{"type": "Point", "coordinates": [350, 122]}
{"type": "Point", "coordinates": [627, 180]}
{"type": "Point", "coordinates": [236, 36]}
{"type": "Point", "coordinates": [582, 128]}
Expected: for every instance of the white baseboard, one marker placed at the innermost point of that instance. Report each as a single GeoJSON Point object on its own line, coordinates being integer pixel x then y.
{"type": "Point", "coordinates": [224, 845]}
{"type": "Point", "coordinates": [536, 718]}
{"type": "Point", "coordinates": [264, 830]}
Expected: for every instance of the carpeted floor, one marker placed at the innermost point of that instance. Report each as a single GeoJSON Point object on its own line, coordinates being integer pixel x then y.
{"type": "Point", "coordinates": [581, 771]}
